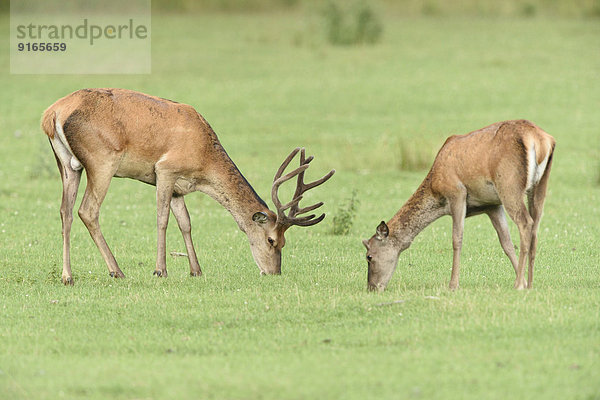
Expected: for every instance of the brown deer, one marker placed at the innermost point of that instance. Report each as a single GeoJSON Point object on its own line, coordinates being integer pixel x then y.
{"type": "Point", "coordinates": [485, 171]}
{"type": "Point", "coordinates": [122, 133]}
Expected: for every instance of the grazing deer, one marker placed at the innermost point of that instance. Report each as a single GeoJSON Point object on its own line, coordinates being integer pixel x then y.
{"type": "Point", "coordinates": [485, 171]}
{"type": "Point", "coordinates": [122, 133]}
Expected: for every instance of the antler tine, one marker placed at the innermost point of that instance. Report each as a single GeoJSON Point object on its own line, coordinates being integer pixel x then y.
{"type": "Point", "coordinates": [311, 185]}
{"type": "Point", "coordinates": [311, 221]}
{"type": "Point", "coordinates": [309, 208]}
{"type": "Point", "coordinates": [300, 181]}
{"type": "Point", "coordinates": [290, 175]}
{"type": "Point", "coordinates": [307, 220]}
{"type": "Point", "coordinates": [292, 203]}
{"type": "Point", "coordinates": [285, 163]}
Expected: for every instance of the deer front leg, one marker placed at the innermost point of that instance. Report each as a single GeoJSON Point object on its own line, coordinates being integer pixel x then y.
{"type": "Point", "coordinates": [164, 193]}
{"type": "Point", "coordinates": [183, 220]}
{"type": "Point", "coordinates": [519, 214]}
{"type": "Point", "coordinates": [458, 209]}
{"type": "Point", "coordinates": [89, 211]}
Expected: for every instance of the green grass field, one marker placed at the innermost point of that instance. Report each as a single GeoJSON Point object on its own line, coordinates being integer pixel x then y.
{"type": "Point", "coordinates": [268, 83]}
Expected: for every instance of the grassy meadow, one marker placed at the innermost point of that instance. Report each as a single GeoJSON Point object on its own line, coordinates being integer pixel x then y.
{"type": "Point", "coordinates": [268, 82]}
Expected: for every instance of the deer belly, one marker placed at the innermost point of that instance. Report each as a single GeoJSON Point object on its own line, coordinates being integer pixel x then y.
{"type": "Point", "coordinates": [136, 169]}
{"type": "Point", "coordinates": [483, 194]}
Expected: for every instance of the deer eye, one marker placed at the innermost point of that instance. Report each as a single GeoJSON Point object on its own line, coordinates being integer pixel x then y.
{"type": "Point", "coordinates": [271, 241]}
{"type": "Point", "coordinates": [369, 258]}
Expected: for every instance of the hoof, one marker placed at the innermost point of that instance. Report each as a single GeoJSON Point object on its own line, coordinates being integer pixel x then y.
{"type": "Point", "coordinates": [68, 281]}
{"type": "Point", "coordinates": [520, 285]}
{"type": "Point", "coordinates": [373, 288]}
{"type": "Point", "coordinates": [195, 273]}
{"type": "Point", "coordinates": [116, 274]}
{"type": "Point", "coordinates": [160, 273]}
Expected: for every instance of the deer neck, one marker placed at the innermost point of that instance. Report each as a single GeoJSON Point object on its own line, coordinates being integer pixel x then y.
{"type": "Point", "coordinates": [229, 188]}
{"type": "Point", "coordinates": [421, 209]}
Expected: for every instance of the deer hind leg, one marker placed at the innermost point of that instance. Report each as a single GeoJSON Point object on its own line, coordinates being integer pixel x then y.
{"type": "Point", "coordinates": [70, 181]}
{"type": "Point", "coordinates": [535, 201]}
{"type": "Point", "coordinates": [183, 220]}
{"type": "Point", "coordinates": [498, 219]}
{"type": "Point", "coordinates": [458, 210]}
{"type": "Point", "coordinates": [89, 211]}
{"type": "Point", "coordinates": [515, 207]}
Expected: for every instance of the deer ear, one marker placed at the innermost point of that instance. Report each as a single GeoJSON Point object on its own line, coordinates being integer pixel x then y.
{"type": "Point", "coordinates": [260, 217]}
{"type": "Point", "coordinates": [366, 243]}
{"type": "Point", "coordinates": [382, 231]}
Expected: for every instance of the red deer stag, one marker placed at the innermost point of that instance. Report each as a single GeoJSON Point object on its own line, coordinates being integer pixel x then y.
{"type": "Point", "coordinates": [485, 171]}
{"type": "Point", "coordinates": [122, 133]}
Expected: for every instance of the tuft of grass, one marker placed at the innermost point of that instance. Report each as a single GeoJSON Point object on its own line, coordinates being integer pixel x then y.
{"type": "Point", "coordinates": [430, 9]}
{"type": "Point", "coordinates": [390, 153]}
{"type": "Point", "coordinates": [528, 10]}
{"type": "Point", "coordinates": [346, 214]}
{"type": "Point", "coordinates": [353, 25]}
{"type": "Point", "coordinates": [416, 154]}
{"type": "Point", "coordinates": [594, 10]}
{"type": "Point", "coordinates": [232, 6]}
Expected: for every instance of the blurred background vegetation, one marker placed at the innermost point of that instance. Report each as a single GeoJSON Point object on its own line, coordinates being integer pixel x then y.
{"type": "Point", "coordinates": [570, 8]}
{"type": "Point", "coordinates": [528, 8]}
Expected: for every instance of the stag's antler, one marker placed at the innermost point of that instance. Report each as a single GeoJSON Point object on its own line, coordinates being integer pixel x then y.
{"type": "Point", "coordinates": [301, 187]}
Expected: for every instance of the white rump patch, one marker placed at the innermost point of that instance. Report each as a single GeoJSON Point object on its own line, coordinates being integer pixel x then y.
{"type": "Point", "coordinates": [535, 170]}
{"type": "Point", "coordinates": [63, 150]}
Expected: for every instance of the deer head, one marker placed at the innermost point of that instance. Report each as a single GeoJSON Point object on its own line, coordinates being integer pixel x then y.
{"type": "Point", "coordinates": [382, 258]}
{"type": "Point", "coordinates": [268, 229]}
